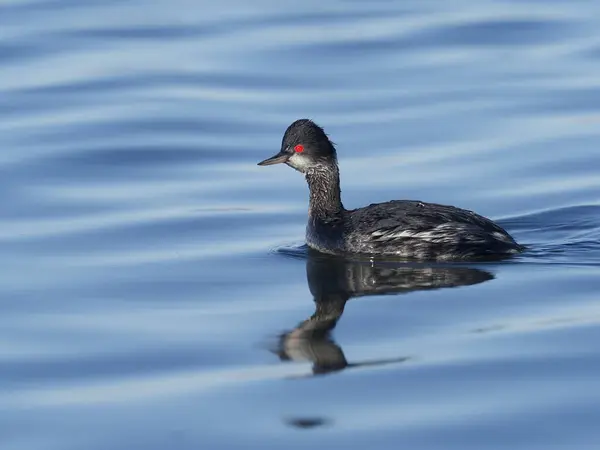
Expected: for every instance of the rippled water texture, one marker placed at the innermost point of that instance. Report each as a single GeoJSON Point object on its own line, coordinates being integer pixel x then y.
{"type": "Point", "coordinates": [155, 292]}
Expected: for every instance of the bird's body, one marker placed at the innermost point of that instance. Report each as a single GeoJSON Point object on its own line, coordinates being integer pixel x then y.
{"type": "Point", "coordinates": [413, 230]}
{"type": "Point", "coordinates": [402, 228]}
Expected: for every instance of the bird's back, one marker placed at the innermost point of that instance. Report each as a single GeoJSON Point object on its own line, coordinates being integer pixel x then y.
{"type": "Point", "coordinates": [414, 229]}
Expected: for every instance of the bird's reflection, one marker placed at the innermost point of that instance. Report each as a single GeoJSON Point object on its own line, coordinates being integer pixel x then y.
{"type": "Point", "coordinates": [333, 281]}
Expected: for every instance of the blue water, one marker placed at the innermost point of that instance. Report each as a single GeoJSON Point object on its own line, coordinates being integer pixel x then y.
{"type": "Point", "coordinates": [155, 292]}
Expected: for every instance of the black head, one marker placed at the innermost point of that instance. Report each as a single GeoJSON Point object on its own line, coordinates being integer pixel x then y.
{"type": "Point", "coordinates": [304, 145]}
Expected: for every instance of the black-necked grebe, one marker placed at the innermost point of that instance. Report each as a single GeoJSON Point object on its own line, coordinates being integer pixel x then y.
{"type": "Point", "coordinates": [404, 228]}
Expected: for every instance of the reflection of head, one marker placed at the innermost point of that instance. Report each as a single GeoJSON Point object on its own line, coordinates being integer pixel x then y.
{"type": "Point", "coordinates": [333, 281]}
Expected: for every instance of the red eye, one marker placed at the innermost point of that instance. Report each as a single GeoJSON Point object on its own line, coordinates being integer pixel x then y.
{"type": "Point", "coordinates": [299, 148]}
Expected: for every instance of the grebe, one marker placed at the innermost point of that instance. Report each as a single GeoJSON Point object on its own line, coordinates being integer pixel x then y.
{"type": "Point", "coordinates": [403, 228]}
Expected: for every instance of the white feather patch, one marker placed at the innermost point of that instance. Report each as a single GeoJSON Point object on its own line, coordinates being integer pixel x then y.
{"type": "Point", "coordinates": [299, 162]}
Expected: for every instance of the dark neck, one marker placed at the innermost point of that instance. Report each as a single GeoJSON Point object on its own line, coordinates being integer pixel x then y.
{"type": "Point", "coordinates": [325, 195]}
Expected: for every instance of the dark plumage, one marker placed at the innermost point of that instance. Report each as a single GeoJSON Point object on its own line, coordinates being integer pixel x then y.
{"type": "Point", "coordinates": [404, 228]}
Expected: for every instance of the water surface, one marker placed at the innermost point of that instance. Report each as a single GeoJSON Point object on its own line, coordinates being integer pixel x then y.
{"type": "Point", "coordinates": [154, 289]}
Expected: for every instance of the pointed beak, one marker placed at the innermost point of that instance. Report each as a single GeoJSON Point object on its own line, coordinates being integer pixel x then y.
{"type": "Point", "coordinates": [280, 157]}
